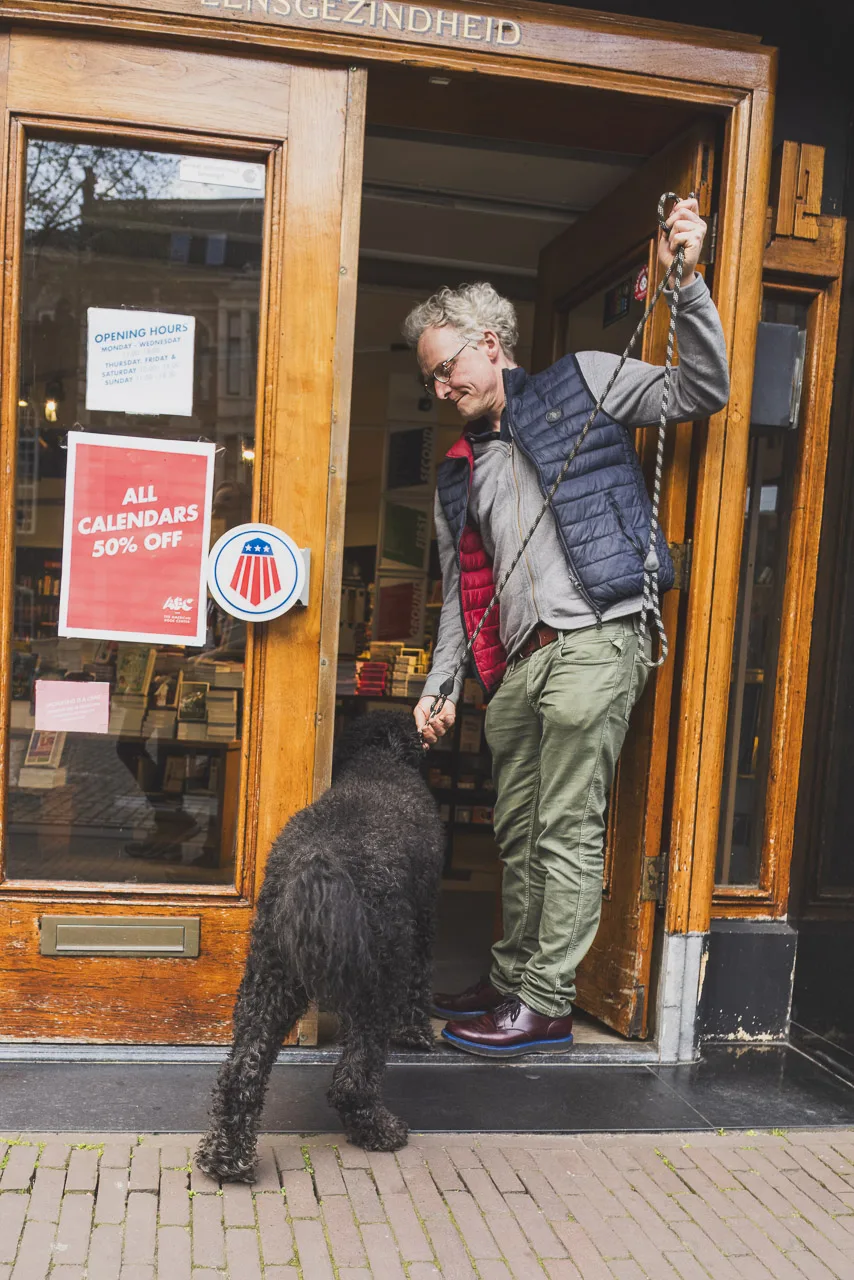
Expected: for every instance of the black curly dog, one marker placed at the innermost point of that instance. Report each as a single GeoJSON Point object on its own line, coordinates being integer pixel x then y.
{"type": "Point", "coordinates": [346, 918]}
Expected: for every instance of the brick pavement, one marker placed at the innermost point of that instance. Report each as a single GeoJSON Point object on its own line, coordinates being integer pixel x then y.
{"type": "Point", "coordinates": [730, 1206]}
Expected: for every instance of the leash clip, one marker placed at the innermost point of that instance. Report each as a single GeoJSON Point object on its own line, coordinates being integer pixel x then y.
{"type": "Point", "coordinates": [436, 708]}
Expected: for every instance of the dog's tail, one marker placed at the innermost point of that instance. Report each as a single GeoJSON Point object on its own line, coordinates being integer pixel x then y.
{"type": "Point", "coordinates": [326, 930]}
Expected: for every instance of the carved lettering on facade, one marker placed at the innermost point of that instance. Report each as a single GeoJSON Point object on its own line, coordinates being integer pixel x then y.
{"type": "Point", "coordinates": [445, 25]}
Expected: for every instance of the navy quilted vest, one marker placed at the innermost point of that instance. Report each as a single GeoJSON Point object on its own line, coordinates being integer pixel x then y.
{"type": "Point", "coordinates": [602, 507]}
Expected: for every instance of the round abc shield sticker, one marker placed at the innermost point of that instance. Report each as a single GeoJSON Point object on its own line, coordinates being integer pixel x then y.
{"type": "Point", "coordinates": [256, 572]}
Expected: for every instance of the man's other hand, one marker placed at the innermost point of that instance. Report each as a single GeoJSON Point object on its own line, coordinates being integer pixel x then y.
{"type": "Point", "coordinates": [685, 226]}
{"type": "Point", "coordinates": [433, 729]}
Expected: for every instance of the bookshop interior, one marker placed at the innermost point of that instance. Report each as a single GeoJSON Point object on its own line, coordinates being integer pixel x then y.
{"type": "Point", "coordinates": [479, 200]}
{"type": "Point", "coordinates": [155, 800]}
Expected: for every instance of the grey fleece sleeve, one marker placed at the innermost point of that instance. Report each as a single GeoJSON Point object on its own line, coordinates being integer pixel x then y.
{"type": "Point", "coordinates": [700, 382]}
{"type": "Point", "coordinates": [452, 636]}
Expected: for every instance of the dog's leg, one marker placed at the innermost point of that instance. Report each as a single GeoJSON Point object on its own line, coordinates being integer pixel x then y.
{"type": "Point", "coordinates": [268, 1004]}
{"type": "Point", "coordinates": [356, 1090]}
{"type": "Point", "coordinates": [414, 1029]}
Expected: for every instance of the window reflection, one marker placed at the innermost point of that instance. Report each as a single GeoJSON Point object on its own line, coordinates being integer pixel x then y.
{"type": "Point", "coordinates": [156, 799]}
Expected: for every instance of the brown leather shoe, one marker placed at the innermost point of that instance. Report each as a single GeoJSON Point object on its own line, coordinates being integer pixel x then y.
{"type": "Point", "coordinates": [476, 1000]}
{"type": "Point", "coordinates": [510, 1031]}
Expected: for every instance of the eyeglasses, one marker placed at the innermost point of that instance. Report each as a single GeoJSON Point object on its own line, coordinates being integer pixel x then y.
{"type": "Point", "coordinates": [442, 372]}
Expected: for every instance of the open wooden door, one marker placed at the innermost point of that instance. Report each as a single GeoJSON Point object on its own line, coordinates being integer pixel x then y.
{"type": "Point", "coordinates": [591, 294]}
{"type": "Point", "coordinates": [140, 178]}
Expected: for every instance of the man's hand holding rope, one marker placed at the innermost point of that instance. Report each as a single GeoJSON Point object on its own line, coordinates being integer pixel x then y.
{"type": "Point", "coordinates": [685, 228]}
{"type": "Point", "coordinates": [436, 726]}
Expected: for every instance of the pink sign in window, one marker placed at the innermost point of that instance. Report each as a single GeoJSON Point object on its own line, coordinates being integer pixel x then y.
{"type": "Point", "coordinates": [73, 705]}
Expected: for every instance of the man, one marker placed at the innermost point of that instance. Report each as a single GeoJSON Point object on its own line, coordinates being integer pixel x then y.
{"type": "Point", "coordinates": [561, 654]}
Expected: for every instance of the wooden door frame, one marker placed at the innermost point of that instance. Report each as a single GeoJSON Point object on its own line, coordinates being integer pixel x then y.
{"type": "Point", "coordinates": [731, 74]}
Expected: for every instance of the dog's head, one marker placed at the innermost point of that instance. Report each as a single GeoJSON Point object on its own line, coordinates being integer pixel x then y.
{"type": "Point", "coordinates": [392, 732]}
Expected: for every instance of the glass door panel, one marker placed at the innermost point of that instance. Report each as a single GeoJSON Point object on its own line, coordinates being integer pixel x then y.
{"type": "Point", "coordinates": [119, 226]}
{"type": "Point", "coordinates": [162, 201]}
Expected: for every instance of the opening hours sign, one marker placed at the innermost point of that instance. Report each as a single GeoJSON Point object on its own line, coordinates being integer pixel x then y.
{"type": "Point", "coordinates": [137, 531]}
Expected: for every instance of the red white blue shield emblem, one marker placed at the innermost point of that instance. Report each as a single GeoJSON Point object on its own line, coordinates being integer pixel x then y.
{"type": "Point", "coordinates": [256, 577]}
{"type": "Point", "coordinates": [256, 572]}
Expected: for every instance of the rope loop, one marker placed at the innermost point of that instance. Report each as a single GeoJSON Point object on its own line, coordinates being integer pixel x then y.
{"type": "Point", "coordinates": [662, 206]}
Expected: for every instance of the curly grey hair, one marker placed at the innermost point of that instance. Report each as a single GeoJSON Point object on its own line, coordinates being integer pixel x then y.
{"type": "Point", "coordinates": [471, 310]}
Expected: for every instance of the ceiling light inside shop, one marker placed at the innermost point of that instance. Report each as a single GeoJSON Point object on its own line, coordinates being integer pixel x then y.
{"type": "Point", "coordinates": [50, 410]}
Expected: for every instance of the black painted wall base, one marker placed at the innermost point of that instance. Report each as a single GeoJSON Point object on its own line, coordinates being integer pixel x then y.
{"type": "Point", "coordinates": [823, 1003]}
{"type": "Point", "coordinates": [747, 991]}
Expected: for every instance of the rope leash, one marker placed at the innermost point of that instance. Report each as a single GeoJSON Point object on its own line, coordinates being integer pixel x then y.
{"type": "Point", "coordinates": [650, 600]}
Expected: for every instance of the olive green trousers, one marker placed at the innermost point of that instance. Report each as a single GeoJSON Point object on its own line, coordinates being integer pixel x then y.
{"type": "Point", "coordinates": [555, 728]}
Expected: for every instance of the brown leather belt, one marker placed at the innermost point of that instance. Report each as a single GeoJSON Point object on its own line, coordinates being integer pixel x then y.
{"type": "Point", "coordinates": [538, 639]}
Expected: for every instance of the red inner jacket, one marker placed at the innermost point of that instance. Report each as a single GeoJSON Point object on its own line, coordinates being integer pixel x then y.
{"type": "Point", "coordinates": [477, 586]}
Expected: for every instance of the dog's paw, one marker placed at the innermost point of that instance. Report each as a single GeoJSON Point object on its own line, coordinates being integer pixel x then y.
{"type": "Point", "coordinates": [414, 1037]}
{"type": "Point", "coordinates": [381, 1131]}
{"type": "Point", "coordinates": [223, 1160]}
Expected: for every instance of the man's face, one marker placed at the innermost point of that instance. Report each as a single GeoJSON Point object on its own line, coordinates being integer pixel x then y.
{"type": "Point", "coordinates": [475, 387]}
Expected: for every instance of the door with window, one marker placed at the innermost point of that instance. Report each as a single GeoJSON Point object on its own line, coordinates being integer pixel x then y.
{"type": "Point", "coordinates": [594, 280]}
{"type": "Point", "coordinates": [144, 179]}
{"type": "Point", "coordinates": [765, 760]}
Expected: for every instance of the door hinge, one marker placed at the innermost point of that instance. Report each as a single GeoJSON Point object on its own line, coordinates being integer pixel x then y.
{"type": "Point", "coordinates": [681, 554]}
{"type": "Point", "coordinates": [707, 256]}
{"type": "Point", "coordinates": [654, 879]}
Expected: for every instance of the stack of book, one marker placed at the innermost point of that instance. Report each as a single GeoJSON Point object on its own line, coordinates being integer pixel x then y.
{"type": "Point", "coordinates": [345, 682]}
{"type": "Point", "coordinates": [372, 679]}
{"type": "Point", "coordinates": [160, 724]}
{"type": "Point", "coordinates": [192, 731]}
{"type": "Point", "coordinates": [220, 675]}
{"type": "Point", "coordinates": [193, 710]}
{"type": "Point", "coordinates": [229, 675]}
{"type": "Point", "coordinates": [127, 712]}
{"type": "Point", "coordinates": [386, 650]}
{"type": "Point", "coordinates": [403, 664]}
{"type": "Point", "coordinates": [36, 779]}
{"type": "Point", "coordinates": [409, 664]}
{"type": "Point", "coordinates": [222, 715]}
{"type": "Point", "coordinates": [41, 770]}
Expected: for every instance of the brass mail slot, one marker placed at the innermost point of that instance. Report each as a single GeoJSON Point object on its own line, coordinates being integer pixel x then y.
{"type": "Point", "coordinates": [119, 936]}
